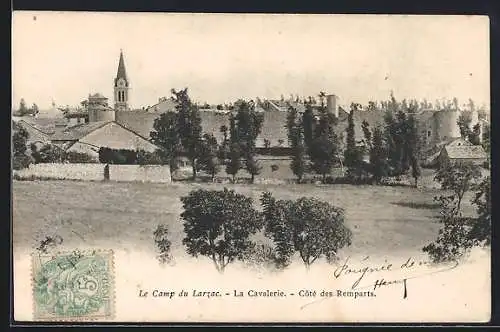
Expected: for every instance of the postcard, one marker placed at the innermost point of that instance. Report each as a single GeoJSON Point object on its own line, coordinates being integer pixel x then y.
{"type": "Point", "coordinates": [259, 168]}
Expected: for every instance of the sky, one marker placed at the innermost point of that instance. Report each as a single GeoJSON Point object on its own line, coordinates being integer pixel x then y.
{"type": "Point", "coordinates": [64, 56]}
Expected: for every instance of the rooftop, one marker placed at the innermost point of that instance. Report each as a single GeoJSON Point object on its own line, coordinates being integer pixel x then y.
{"type": "Point", "coordinates": [466, 152]}
{"type": "Point", "coordinates": [76, 132]}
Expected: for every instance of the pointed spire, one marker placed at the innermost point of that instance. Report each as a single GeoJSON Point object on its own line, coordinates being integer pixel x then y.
{"type": "Point", "coordinates": [121, 67]}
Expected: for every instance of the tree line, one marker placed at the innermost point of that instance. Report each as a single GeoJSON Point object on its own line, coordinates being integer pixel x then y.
{"type": "Point", "coordinates": [219, 224]}
{"type": "Point", "coordinates": [316, 147]}
{"type": "Point", "coordinates": [179, 134]}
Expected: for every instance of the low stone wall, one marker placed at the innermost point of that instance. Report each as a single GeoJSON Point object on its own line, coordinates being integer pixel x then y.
{"type": "Point", "coordinates": [95, 172]}
{"type": "Point", "coordinates": [60, 171]}
{"type": "Point", "coordinates": [141, 173]}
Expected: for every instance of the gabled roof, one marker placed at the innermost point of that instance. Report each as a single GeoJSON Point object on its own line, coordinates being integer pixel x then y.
{"type": "Point", "coordinates": [465, 152]}
{"type": "Point", "coordinates": [47, 126]}
{"type": "Point", "coordinates": [76, 132]}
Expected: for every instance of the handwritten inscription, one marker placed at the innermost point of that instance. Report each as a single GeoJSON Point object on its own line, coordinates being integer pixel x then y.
{"type": "Point", "coordinates": [409, 266]}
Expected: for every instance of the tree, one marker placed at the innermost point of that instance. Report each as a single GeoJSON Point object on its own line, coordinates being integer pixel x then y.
{"type": "Point", "coordinates": [166, 135]}
{"type": "Point", "coordinates": [78, 157]}
{"type": "Point", "coordinates": [149, 158]}
{"type": "Point", "coordinates": [247, 124]}
{"type": "Point", "coordinates": [295, 138]}
{"type": "Point", "coordinates": [298, 163]}
{"type": "Point", "coordinates": [367, 134]}
{"type": "Point", "coordinates": [162, 243]}
{"type": "Point", "coordinates": [378, 156]}
{"type": "Point", "coordinates": [324, 148]}
{"type": "Point", "coordinates": [48, 153]}
{"type": "Point", "coordinates": [234, 163]}
{"type": "Point", "coordinates": [253, 167]}
{"type": "Point", "coordinates": [400, 138]}
{"type": "Point", "coordinates": [464, 122]}
{"type": "Point", "coordinates": [392, 141]}
{"type": "Point", "coordinates": [34, 109]}
{"type": "Point", "coordinates": [208, 160]}
{"type": "Point", "coordinates": [308, 226]}
{"type": "Point", "coordinates": [480, 232]}
{"type": "Point", "coordinates": [486, 139]}
{"type": "Point", "coordinates": [416, 171]}
{"type": "Point", "coordinates": [218, 225]}
{"type": "Point", "coordinates": [188, 127]}
{"type": "Point", "coordinates": [23, 109]}
{"type": "Point", "coordinates": [459, 234]}
{"type": "Point", "coordinates": [20, 138]}
{"type": "Point", "coordinates": [353, 155]}
{"type": "Point", "coordinates": [459, 179]}
{"type": "Point", "coordinates": [308, 124]}
{"type": "Point", "coordinates": [291, 125]}
{"type": "Point", "coordinates": [350, 153]}
{"type": "Point", "coordinates": [412, 147]}
{"type": "Point", "coordinates": [475, 134]}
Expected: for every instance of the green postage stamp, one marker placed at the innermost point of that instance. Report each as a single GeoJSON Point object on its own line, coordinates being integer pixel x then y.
{"type": "Point", "coordinates": [73, 286]}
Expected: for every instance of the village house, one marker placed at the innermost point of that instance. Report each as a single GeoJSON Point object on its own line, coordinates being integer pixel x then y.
{"type": "Point", "coordinates": [461, 151]}
{"type": "Point", "coordinates": [96, 124]}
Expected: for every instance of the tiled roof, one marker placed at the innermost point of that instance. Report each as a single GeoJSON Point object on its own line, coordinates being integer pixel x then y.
{"type": "Point", "coordinates": [48, 126]}
{"type": "Point", "coordinates": [466, 152]}
{"type": "Point", "coordinates": [76, 132]}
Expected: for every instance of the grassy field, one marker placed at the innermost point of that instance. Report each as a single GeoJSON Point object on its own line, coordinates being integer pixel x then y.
{"type": "Point", "coordinates": [124, 215]}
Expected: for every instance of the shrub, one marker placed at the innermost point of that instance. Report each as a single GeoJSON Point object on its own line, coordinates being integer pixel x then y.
{"type": "Point", "coordinates": [274, 168]}
{"type": "Point", "coordinates": [308, 226]}
{"type": "Point", "coordinates": [21, 161]}
{"type": "Point", "coordinates": [218, 225]}
{"type": "Point", "coordinates": [459, 234]}
{"type": "Point", "coordinates": [259, 256]}
{"type": "Point", "coordinates": [48, 153]}
{"type": "Point", "coordinates": [149, 158]}
{"type": "Point", "coordinates": [120, 156]}
{"type": "Point", "coordinates": [162, 243]}
{"type": "Point", "coordinates": [78, 157]}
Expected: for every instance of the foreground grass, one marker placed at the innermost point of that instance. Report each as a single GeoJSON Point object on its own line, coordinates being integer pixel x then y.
{"type": "Point", "coordinates": [123, 216]}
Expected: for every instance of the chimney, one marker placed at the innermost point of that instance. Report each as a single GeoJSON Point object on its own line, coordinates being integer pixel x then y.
{"type": "Point", "coordinates": [331, 105]}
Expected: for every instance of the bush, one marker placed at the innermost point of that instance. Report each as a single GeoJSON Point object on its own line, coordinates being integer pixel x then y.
{"type": "Point", "coordinates": [149, 158]}
{"type": "Point", "coordinates": [218, 225]}
{"type": "Point", "coordinates": [21, 161]}
{"type": "Point", "coordinates": [459, 234]}
{"type": "Point", "coordinates": [308, 226]}
{"type": "Point", "coordinates": [120, 156]}
{"type": "Point", "coordinates": [453, 241]}
{"type": "Point", "coordinates": [78, 158]}
{"type": "Point", "coordinates": [163, 244]}
{"type": "Point", "coordinates": [274, 168]}
{"type": "Point", "coordinates": [259, 256]}
{"type": "Point", "coordinates": [48, 153]}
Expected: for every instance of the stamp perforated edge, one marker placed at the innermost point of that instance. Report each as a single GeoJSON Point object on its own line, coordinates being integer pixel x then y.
{"type": "Point", "coordinates": [89, 318]}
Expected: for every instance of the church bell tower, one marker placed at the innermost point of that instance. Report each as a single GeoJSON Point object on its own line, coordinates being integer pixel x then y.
{"type": "Point", "coordinates": [121, 86]}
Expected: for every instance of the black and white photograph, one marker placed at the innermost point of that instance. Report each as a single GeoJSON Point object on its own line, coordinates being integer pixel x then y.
{"type": "Point", "coordinates": [261, 168]}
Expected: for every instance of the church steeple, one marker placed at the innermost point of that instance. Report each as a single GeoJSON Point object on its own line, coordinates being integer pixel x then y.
{"type": "Point", "coordinates": [121, 86]}
{"type": "Point", "coordinates": [121, 73]}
